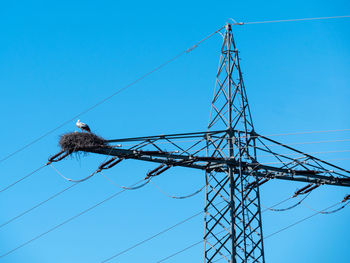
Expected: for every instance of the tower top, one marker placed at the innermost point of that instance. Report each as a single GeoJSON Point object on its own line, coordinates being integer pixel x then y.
{"type": "Point", "coordinates": [230, 109]}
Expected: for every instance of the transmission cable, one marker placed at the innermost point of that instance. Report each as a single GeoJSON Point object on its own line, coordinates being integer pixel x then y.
{"type": "Point", "coordinates": [151, 237]}
{"type": "Point", "coordinates": [21, 179]}
{"type": "Point", "coordinates": [178, 197]}
{"type": "Point", "coordinates": [312, 215]}
{"type": "Point", "coordinates": [169, 228]}
{"type": "Point", "coordinates": [112, 95]}
{"type": "Point", "coordinates": [37, 205]}
{"type": "Point", "coordinates": [67, 221]}
{"type": "Point", "coordinates": [268, 236]}
{"type": "Point", "coordinates": [287, 208]}
{"type": "Point", "coordinates": [125, 187]}
{"type": "Point", "coordinates": [42, 202]}
{"type": "Point", "coordinates": [289, 20]}
{"type": "Point", "coordinates": [72, 180]}
{"type": "Point", "coordinates": [327, 212]}
{"type": "Point", "coordinates": [159, 189]}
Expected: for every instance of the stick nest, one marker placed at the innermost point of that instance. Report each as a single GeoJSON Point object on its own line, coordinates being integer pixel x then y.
{"type": "Point", "coordinates": [75, 141]}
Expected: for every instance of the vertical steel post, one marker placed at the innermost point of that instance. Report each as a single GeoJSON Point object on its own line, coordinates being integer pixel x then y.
{"type": "Point", "coordinates": [233, 229]}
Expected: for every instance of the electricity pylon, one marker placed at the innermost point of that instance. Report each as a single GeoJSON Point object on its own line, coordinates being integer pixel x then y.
{"type": "Point", "coordinates": [234, 226]}
{"type": "Point", "coordinates": [227, 153]}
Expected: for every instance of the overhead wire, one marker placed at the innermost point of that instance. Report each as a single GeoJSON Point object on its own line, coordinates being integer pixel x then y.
{"type": "Point", "coordinates": [308, 217]}
{"type": "Point", "coordinates": [152, 237]}
{"type": "Point", "coordinates": [67, 221]}
{"type": "Point", "coordinates": [327, 212]}
{"type": "Point", "coordinates": [177, 197]}
{"type": "Point", "coordinates": [21, 179]}
{"type": "Point", "coordinates": [112, 95]}
{"type": "Point", "coordinates": [42, 202]}
{"type": "Point", "coordinates": [266, 237]}
{"type": "Point", "coordinates": [290, 207]}
{"type": "Point", "coordinates": [290, 20]}
{"type": "Point", "coordinates": [37, 205]}
{"type": "Point", "coordinates": [299, 133]}
{"type": "Point", "coordinates": [72, 180]}
{"type": "Point", "coordinates": [158, 188]}
{"type": "Point", "coordinates": [171, 227]}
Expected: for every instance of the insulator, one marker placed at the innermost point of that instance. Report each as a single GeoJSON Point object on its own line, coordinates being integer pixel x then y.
{"type": "Point", "coordinates": [102, 166]}
{"type": "Point", "coordinates": [157, 171]}
{"type": "Point", "coordinates": [115, 163]}
{"type": "Point", "coordinates": [162, 170]}
{"type": "Point", "coordinates": [346, 198]}
{"type": "Point", "coordinates": [150, 173]}
{"type": "Point", "coordinates": [312, 188]}
{"type": "Point", "coordinates": [301, 190]}
{"type": "Point", "coordinates": [52, 159]}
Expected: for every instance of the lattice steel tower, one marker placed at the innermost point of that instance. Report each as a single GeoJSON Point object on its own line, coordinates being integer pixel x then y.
{"type": "Point", "coordinates": [232, 213]}
{"type": "Point", "coordinates": [226, 152]}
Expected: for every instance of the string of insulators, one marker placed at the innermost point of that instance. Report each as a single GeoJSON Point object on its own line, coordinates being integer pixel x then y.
{"type": "Point", "coordinates": [257, 183]}
{"type": "Point", "coordinates": [306, 189]}
{"type": "Point", "coordinates": [346, 198]}
{"type": "Point", "coordinates": [53, 158]}
{"type": "Point", "coordinates": [157, 171]}
{"type": "Point", "coordinates": [112, 162]}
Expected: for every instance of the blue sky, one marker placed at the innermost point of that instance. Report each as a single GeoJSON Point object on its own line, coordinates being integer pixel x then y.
{"type": "Point", "coordinates": [59, 58]}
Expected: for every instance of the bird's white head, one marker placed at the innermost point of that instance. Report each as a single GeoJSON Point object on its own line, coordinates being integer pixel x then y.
{"type": "Point", "coordinates": [78, 121]}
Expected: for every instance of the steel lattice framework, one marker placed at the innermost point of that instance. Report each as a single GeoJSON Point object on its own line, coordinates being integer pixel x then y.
{"type": "Point", "coordinates": [227, 153]}
{"type": "Point", "coordinates": [234, 226]}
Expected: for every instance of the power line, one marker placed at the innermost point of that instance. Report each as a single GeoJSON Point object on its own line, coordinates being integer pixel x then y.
{"type": "Point", "coordinates": [112, 95]}
{"type": "Point", "coordinates": [183, 250]}
{"type": "Point", "coordinates": [289, 20]}
{"type": "Point", "coordinates": [159, 189]}
{"type": "Point", "coordinates": [37, 205]}
{"type": "Point", "coordinates": [67, 221]}
{"type": "Point", "coordinates": [302, 220]}
{"type": "Point", "coordinates": [306, 132]}
{"type": "Point", "coordinates": [178, 197]}
{"type": "Point", "coordinates": [21, 179]}
{"type": "Point", "coordinates": [171, 227]}
{"type": "Point", "coordinates": [42, 202]}
{"type": "Point", "coordinates": [151, 237]}
{"type": "Point", "coordinates": [71, 180]}
{"type": "Point", "coordinates": [326, 212]}
{"type": "Point", "coordinates": [268, 236]}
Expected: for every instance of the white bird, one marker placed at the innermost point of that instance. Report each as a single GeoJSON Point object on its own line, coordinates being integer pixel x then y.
{"type": "Point", "coordinates": [83, 126]}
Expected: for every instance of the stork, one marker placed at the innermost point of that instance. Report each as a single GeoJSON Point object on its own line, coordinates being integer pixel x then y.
{"type": "Point", "coordinates": [83, 126]}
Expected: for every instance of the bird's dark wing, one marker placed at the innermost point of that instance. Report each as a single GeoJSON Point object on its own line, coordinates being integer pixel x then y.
{"type": "Point", "coordinates": [86, 128]}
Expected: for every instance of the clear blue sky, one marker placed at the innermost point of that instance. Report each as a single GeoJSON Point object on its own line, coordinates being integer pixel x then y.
{"type": "Point", "coordinates": [58, 58]}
